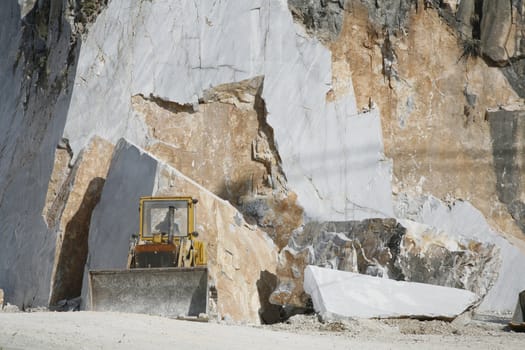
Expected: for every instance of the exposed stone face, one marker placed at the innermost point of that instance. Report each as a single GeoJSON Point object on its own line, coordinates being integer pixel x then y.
{"type": "Point", "coordinates": [238, 253]}
{"type": "Point", "coordinates": [514, 74]}
{"type": "Point", "coordinates": [498, 26]}
{"type": "Point", "coordinates": [496, 23]}
{"type": "Point", "coordinates": [323, 18]}
{"type": "Point", "coordinates": [468, 18]}
{"type": "Point", "coordinates": [311, 131]}
{"type": "Point", "coordinates": [296, 141]}
{"type": "Point", "coordinates": [433, 118]}
{"type": "Point", "coordinates": [494, 30]}
{"type": "Point", "coordinates": [85, 12]}
{"type": "Point", "coordinates": [386, 248]}
{"type": "Point", "coordinates": [59, 176]}
{"type": "Point", "coordinates": [81, 193]}
{"type": "Point", "coordinates": [37, 65]}
{"type": "Point", "coordinates": [228, 124]}
{"type": "Point", "coordinates": [430, 255]}
{"type": "Point", "coordinates": [356, 246]}
{"type": "Point", "coordinates": [226, 129]}
{"type": "Point", "coordinates": [507, 130]}
{"type": "Point", "coordinates": [463, 223]}
{"type": "Point", "coordinates": [391, 16]}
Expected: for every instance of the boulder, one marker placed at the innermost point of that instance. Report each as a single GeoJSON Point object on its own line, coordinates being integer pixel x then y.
{"type": "Point", "coordinates": [322, 18]}
{"type": "Point", "coordinates": [340, 294]}
{"type": "Point", "coordinates": [368, 246]}
{"type": "Point", "coordinates": [1, 299]}
{"type": "Point", "coordinates": [230, 151]}
{"type": "Point", "coordinates": [396, 249]}
{"type": "Point", "coordinates": [430, 255]}
{"type": "Point", "coordinates": [496, 24]}
{"type": "Point", "coordinates": [507, 131]}
{"type": "Point", "coordinates": [461, 220]}
{"type": "Point", "coordinates": [239, 255]}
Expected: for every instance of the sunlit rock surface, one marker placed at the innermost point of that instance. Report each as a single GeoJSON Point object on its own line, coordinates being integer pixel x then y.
{"type": "Point", "coordinates": [294, 111]}
{"type": "Point", "coordinates": [70, 215]}
{"type": "Point", "coordinates": [400, 250]}
{"type": "Point", "coordinates": [340, 294]}
{"type": "Point", "coordinates": [213, 43]}
{"type": "Point", "coordinates": [228, 124]}
{"type": "Point", "coordinates": [239, 255]}
{"type": "Point", "coordinates": [461, 220]}
{"type": "Point", "coordinates": [434, 256]}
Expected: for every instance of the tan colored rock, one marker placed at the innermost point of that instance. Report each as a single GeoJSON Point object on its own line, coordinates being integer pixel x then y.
{"type": "Point", "coordinates": [290, 271]}
{"type": "Point", "coordinates": [432, 109]}
{"type": "Point", "coordinates": [226, 146]}
{"type": "Point", "coordinates": [59, 175]}
{"type": "Point", "coordinates": [238, 252]}
{"type": "Point", "coordinates": [79, 195]}
{"type": "Point", "coordinates": [1, 299]}
{"type": "Point", "coordinates": [240, 256]}
{"type": "Point", "coordinates": [212, 145]}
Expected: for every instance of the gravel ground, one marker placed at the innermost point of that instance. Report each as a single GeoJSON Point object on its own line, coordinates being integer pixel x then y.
{"type": "Point", "coordinates": [101, 330]}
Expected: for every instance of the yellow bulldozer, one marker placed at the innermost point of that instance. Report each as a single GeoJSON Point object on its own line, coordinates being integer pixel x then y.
{"type": "Point", "coordinates": [167, 273]}
{"type": "Point", "coordinates": [167, 234]}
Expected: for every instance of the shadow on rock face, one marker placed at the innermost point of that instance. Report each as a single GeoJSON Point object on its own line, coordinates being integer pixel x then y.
{"type": "Point", "coordinates": [268, 312]}
{"type": "Point", "coordinates": [73, 254]}
{"type": "Point", "coordinates": [41, 46]}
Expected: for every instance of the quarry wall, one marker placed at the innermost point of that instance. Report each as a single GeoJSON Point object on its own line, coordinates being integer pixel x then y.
{"type": "Point", "coordinates": [296, 113]}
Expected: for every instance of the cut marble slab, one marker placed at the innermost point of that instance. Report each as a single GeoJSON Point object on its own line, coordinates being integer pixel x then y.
{"type": "Point", "coordinates": [347, 295]}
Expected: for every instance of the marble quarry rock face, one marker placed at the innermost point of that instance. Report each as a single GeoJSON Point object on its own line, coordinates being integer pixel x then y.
{"type": "Point", "coordinates": [228, 123]}
{"type": "Point", "coordinates": [72, 72]}
{"type": "Point", "coordinates": [233, 43]}
{"type": "Point", "coordinates": [368, 246]}
{"type": "Point", "coordinates": [340, 295]}
{"type": "Point", "coordinates": [430, 255]}
{"type": "Point", "coordinates": [70, 214]}
{"type": "Point", "coordinates": [322, 18]}
{"type": "Point", "coordinates": [507, 129]}
{"type": "Point", "coordinates": [449, 152]}
{"type": "Point", "coordinates": [462, 221]}
{"type": "Point", "coordinates": [400, 250]}
{"type": "Point", "coordinates": [239, 255]}
{"type": "Point", "coordinates": [497, 25]}
{"type": "Point", "coordinates": [335, 116]}
{"type": "Point", "coordinates": [36, 73]}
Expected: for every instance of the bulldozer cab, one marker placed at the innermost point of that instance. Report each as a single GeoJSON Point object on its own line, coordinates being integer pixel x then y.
{"type": "Point", "coordinates": [163, 219]}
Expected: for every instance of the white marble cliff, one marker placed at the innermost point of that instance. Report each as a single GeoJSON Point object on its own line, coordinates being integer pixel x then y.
{"type": "Point", "coordinates": [72, 77]}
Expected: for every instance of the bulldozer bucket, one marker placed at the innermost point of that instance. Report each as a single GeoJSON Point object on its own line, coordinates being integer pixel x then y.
{"type": "Point", "coordinates": [518, 320]}
{"type": "Point", "coordinates": [170, 292]}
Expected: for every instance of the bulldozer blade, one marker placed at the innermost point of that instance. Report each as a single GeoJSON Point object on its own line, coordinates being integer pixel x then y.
{"type": "Point", "coordinates": [518, 320]}
{"type": "Point", "coordinates": [170, 292]}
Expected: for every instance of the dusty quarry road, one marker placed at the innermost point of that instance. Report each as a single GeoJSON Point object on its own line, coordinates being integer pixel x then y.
{"type": "Point", "coordinates": [98, 330]}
